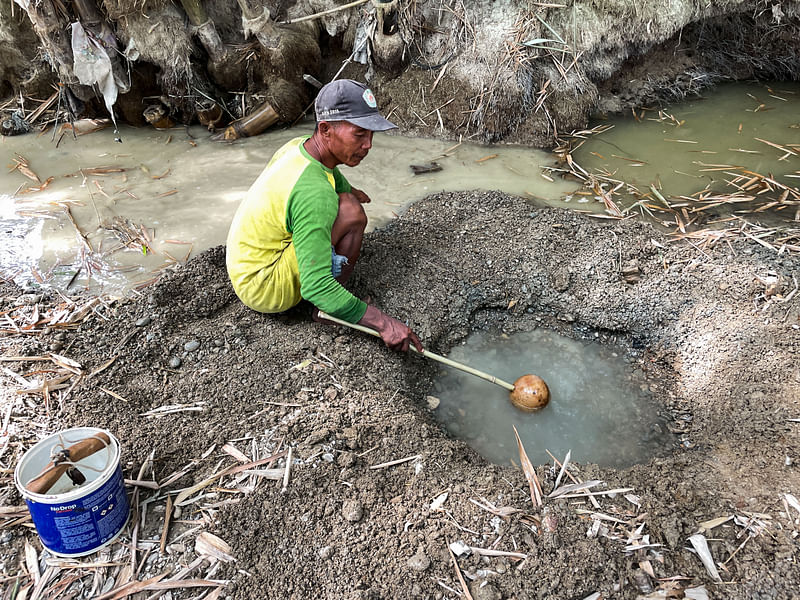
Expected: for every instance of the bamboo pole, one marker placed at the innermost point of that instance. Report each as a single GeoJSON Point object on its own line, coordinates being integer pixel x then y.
{"type": "Point", "coordinates": [426, 353]}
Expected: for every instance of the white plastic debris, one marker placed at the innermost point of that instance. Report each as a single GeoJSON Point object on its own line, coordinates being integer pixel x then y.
{"type": "Point", "coordinates": [459, 548]}
{"type": "Point", "coordinates": [92, 66]}
{"type": "Point", "coordinates": [439, 501]}
{"type": "Point", "coordinates": [700, 546]}
{"type": "Point", "coordinates": [697, 593]}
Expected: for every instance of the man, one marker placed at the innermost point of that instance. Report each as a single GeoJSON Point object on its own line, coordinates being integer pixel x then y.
{"type": "Point", "coordinates": [298, 232]}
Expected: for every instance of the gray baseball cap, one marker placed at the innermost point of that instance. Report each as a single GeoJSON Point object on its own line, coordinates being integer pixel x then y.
{"type": "Point", "coordinates": [351, 101]}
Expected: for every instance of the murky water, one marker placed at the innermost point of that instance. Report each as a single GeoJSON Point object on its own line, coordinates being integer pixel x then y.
{"type": "Point", "coordinates": [160, 196]}
{"type": "Point", "coordinates": [175, 192]}
{"type": "Point", "coordinates": [687, 147]}
{"type": "Point", "coordinates": [600, 408]}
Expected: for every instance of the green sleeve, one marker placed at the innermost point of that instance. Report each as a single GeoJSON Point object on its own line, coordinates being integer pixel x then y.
{"type": "Point", "coordinates": [310, 214]}
{"type": "Point", "coordinates": [342, 185]}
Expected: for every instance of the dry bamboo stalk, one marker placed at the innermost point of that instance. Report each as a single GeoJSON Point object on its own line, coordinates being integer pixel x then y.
{"type": "Point", "coordinates": [399, 461]}
{"type": "Point", "coordinates": [463, 583]}
{"type": "Point", "coordinates": [288, 468]}
{"type": "Point", "coordinates": [167, 519]}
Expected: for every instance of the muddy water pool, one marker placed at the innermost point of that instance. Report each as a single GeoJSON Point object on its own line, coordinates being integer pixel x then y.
{"type": "Point", "coordinates": [171, 194]}
{"type": "Point", "coordinates": [601, 407]}
{"type": "Point", "coordinates": [697, 144]}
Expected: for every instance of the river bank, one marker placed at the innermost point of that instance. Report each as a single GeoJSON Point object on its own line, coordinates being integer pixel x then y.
{"type": "Point", "coordinates": [717, 327]}
{"type": "Point", "coordinates": [487, 71]}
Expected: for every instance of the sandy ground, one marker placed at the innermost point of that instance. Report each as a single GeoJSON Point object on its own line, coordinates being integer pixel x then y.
{"type": "Point", "coordinates": [722, 345]}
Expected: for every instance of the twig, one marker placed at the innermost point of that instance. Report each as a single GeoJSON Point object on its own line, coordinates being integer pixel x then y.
{"type": "Point", "coordinates": [323, 13]}
{"type": "Point", "coordinates": [463, 583]}
{"type": "Point", "coordinates": [399, 461]}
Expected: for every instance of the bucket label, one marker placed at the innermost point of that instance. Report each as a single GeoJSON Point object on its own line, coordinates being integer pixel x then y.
{"type": "Point", "coordinates": [84, 524]}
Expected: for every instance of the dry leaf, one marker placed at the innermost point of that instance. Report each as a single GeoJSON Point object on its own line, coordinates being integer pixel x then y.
{"type": "Point", "coordinates": [700, 545]}
{"type": "Point", "coordinates": [207, 544]}
{"type": "Point", "coordinates": [530, 473]}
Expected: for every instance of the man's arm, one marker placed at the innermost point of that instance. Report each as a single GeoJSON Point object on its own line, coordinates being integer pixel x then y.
{"type": "Point", "coordinates": [362, 197]}
{"type": "Point", "coordinates": [394, 334]}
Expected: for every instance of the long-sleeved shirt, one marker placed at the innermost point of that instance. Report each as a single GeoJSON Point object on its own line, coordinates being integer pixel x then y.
{"type": "Point", "coordinates": [279, 243]}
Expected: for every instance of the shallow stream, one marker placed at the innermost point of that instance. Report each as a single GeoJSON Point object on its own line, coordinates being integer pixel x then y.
{"type": "Point", "coordinates": [178, 191]}
{"type": "Point", "coordinates": [601, 407]}
{"type": "Point", "coordinates": [158, 197]}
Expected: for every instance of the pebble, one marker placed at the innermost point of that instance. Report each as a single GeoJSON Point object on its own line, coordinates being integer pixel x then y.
{"type": "Point", "coordinates": [191, 346]}
{"type": "Point", "coordinates": [5, 537]}
{"type": "Point", "coordinates": [433, 402]}
{"type": "Point", "coordinates": [325, 552]}
{"type": "Point", "coordinates": [143, 322]}
{"type": "Point", "coordinates": [219, 343]}
{"type": "Point", "coordinates": [483, 590]}
{"type": "Point", "coordinates": [353, 511]}
{"type": "Point", "coordinates": [419, 562]}
{"type": "Point", "coordinates": [174, 362]}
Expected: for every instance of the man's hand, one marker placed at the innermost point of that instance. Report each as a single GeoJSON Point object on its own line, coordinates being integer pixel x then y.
{"type": "Point", "coordinates": [394, 334]}
{"type": "Point", "coordinates": [362, 197]}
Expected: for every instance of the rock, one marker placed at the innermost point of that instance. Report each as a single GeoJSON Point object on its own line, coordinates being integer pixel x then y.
{"type": "Point", "coordinates": [353, 511]}
{"type": "Point", "coordinates": [316, 436]}
{"type": "Point", "coordinates": [143, 322]}
{"type": "Point", "coordinates": [549, 523]}
{"type": "Point", "coordinates": [5, 537]}
{"type": "Point", "coordinates": [419, 562]}
{"type": "Point", "coordinates": [327, 457]}
{"type": "Point", "coordinates": [631, 272]}
{"type": "Point", "coordinates": [346, 459]}
{"type": "Point", "coordinates": [56, 346]}
{"type": "Point", "coordinates": [219, 343]}
{"type": "Point", "coordinates": [483, 590]}
{"type": "Point", "coordinates": [191, 346]}
{"type": "Point", "coordinates": [174, 362]}
{"type": "Point", "coordinates": [325, 552]}
{"type": "Point", "coordinates": [433, 402]}
{"type": "Point", "coordinates": [330, 394]}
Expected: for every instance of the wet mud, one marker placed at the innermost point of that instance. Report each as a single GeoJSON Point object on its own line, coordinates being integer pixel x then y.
{"type": "Point", "coordinates": [722, 348]}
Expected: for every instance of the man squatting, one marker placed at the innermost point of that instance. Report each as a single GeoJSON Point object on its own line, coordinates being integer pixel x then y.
{"type": "Point", "coordinates": [297, 234]}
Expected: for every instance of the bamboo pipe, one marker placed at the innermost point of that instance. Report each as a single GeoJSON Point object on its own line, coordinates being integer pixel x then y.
{"type": "Point", "coordinates": [528, 393]}
{"type": "Point", "coordinates": [427, 353]}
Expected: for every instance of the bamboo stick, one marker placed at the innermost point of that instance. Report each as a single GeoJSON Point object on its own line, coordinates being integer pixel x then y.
{"type": "Point", "coordinates": [426, 353]}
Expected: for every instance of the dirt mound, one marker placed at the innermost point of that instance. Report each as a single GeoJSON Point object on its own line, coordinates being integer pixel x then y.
{"type": "Point", "coordinates": [349, 525]}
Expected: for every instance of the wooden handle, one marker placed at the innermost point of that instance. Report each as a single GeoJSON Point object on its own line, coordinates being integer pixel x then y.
{"type": "Point", "coordinates": [78, 451]}
{"type": "Point", "coordinates": [426, 353]}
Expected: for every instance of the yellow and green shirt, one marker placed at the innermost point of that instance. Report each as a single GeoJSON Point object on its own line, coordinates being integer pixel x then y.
{"type": "Point", "coordinates": [279, 243]}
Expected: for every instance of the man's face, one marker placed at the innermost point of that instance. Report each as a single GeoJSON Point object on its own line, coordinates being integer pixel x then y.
{"type": "Point", "coordinates": [348, 143]}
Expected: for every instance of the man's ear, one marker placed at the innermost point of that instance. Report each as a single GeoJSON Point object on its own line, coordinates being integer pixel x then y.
{"type": "Point", "coordinates": [324, 128]}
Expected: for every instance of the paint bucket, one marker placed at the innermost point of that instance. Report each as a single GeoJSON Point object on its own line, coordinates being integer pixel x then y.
{"type": "Point", "coordinates": [76, 520]}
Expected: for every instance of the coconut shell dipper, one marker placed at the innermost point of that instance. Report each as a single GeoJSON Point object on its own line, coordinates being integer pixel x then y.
{"type": "Point", "coordinates": [42, 483]}
{"type": "Point", "coordinates": [528, 393]}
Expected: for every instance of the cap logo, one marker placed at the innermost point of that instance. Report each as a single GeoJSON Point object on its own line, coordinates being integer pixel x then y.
{"type": "Point", "coordinates": [369, 98]}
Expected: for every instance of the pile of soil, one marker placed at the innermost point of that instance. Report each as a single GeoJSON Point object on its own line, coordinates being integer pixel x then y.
{"type": "Point", "coordinates": [723, 351]}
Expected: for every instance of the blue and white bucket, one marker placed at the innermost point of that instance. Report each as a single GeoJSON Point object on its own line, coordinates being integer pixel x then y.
{"type": "Point", "coordinates": [76, 520]}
